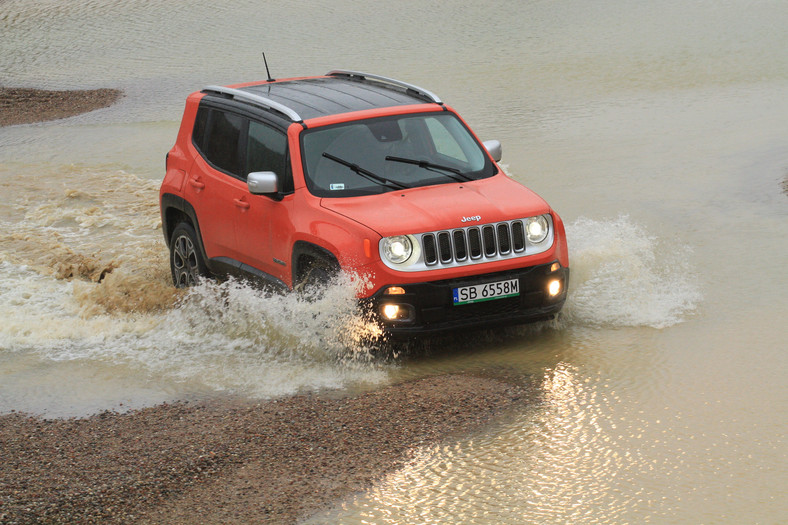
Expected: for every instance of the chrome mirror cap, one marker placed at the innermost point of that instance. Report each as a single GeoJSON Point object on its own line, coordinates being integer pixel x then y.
{"type": "Point", "coordinates": [262, 182]}
{"type": "Point", "coordinates": [494, 149]}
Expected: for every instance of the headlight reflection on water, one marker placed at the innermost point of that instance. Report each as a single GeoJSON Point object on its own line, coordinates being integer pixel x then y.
{"type": "Point", "coordinates": [558, 461]}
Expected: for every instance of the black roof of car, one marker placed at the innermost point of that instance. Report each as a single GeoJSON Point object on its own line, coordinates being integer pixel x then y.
{"type": "Point", "coordinates": [337, 92]}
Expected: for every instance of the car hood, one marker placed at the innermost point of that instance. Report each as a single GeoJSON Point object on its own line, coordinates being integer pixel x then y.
{"type": "Point", "coordinates": [446, 206]}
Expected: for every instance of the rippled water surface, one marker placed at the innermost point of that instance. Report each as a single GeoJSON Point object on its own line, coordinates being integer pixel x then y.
{"type": "Point", "coordinates": [659, 131]}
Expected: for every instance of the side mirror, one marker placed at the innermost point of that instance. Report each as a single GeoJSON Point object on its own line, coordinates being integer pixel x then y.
{"type": "Point", "coordinates": [494, 149]}
{"type": "Point", "coordinates": [262, 182]}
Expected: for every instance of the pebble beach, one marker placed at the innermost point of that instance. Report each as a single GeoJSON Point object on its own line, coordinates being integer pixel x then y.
{"type": "Point", "coordinates": [231, 460]}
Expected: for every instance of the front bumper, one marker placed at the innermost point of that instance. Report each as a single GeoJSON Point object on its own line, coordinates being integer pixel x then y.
{"type": "Point", "coordinates": [430, 307]}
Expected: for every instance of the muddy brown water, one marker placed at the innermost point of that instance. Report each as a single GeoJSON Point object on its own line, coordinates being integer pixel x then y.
{"type": "Point", "coordinates": [659, 133]}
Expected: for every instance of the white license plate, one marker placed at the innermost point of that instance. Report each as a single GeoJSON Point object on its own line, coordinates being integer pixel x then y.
{"type": "Point", "coordinates": [486, 292]}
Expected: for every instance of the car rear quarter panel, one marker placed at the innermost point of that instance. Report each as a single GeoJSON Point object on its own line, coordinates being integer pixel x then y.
{"type": "Point", "coordinates": [178, 161]}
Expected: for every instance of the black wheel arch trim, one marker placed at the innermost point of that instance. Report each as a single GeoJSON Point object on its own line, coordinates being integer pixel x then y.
{"type": "Point", "coordinates": [311, 250]}
{"type": "Point", "coordinates": [170, 201]}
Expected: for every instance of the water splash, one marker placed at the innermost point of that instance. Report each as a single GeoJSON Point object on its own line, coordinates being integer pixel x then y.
{"type": "Point", "coordinates": [86, 282]}
{"type": "Point", "coordinates": [219, 337]}
{"type": "Point", "coordinates": [237, 337]}
{"type": "Point", "coordinates": [622, 276]}
{"type": "Point", "coordinates": [328, 327]}
{"type": "Point", "coordinates": [92, 225]}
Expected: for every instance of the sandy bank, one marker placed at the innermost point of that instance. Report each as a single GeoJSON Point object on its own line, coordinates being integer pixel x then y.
{"type": "Point", "coordinates": [230, 461]}
{"type": "Point", "coordinates": [24, 105]}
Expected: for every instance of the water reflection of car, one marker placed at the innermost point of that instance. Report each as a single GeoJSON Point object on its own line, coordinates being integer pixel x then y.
{"type": "Point", "coordinates": [291, 181]}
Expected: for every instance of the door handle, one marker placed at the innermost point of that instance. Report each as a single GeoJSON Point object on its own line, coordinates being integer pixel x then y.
{"type": "Point", "coordinates": [241, 204]}
{"type": "Point", "coordinates": [197, 184]}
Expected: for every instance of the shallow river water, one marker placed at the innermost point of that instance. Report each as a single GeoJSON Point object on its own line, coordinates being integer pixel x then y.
{"type": "Point", "coordinates": [658, 130]}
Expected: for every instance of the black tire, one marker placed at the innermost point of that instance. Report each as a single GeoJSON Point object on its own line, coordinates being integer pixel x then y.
{"type": "Point", "coordinates": [186, 261]}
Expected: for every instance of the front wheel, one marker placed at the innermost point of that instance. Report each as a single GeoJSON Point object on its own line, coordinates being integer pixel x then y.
{"type": "Point", "coordinates": [315, 276]}
{"type": "Point", "coordinates": [186, 262]}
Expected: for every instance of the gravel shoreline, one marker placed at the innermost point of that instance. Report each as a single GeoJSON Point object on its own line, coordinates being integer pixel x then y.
{"type": "Point", "coordinates": [26, 105]}
{"type": "Point", "coordinates": [231, 461]}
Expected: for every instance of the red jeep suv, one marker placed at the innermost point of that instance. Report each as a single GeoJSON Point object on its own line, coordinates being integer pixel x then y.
{"type": "Point", "coordinates": [292, 181]}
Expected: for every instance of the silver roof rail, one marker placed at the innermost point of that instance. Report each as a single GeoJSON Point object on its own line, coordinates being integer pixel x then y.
{"type": "Point", "coordinates": [258, 100]}
{"type": "Point", "coordinates": [421, 91]}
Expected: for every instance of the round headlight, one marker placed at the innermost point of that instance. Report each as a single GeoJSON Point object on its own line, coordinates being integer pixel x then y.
{"type": "Point", "coordinates": [536, 228]}
{"type": "Point", "coordinates": [397, 249]}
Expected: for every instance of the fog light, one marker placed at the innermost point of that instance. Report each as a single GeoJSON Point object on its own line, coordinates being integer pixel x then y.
{"type": "Point", "coordinates": [390, 311]}
{"type": "Point", "coordinates": [554, 288]}
{"type": "Point", "coordinates": [396, 312]}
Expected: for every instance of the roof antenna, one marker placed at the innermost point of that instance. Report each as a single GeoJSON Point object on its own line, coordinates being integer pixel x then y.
{"type": "Point", "coordinates": [266, 69]}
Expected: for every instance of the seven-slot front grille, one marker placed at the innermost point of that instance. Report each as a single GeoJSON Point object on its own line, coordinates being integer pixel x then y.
{"type": "Point", "coordinates": [468, 245]}
{"type": "Point", "coordinates": [474, 243]}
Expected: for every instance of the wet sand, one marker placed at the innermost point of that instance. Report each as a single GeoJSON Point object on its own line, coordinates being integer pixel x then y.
{"type": "Point", "coordinates": [25, 106]}
{"type": "Point", "coordinates": [231, 461]}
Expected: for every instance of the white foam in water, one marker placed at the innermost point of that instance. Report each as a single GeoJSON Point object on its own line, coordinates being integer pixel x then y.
{"type": "Point", "coordinates": [38, 310]}
{"type": "Point", "coordinates": [236, 337]}
{"type": "Point", "coordinates": [231, 337]}
{"type": "Point", "coordinates": [621, 276]}
{"type": "Point", "coordinates": [226, 337]}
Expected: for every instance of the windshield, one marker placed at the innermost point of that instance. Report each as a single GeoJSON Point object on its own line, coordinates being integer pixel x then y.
{"type": "Point", "coordinates": [391, 153]}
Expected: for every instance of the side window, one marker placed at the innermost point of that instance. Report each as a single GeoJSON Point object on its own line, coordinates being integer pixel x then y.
{"type": "Point", "coordinates": [200, 122]}
{"type": "Point", "coordinates": [222, 138]}
{"type": "Point", "coordinates": [266, 150]}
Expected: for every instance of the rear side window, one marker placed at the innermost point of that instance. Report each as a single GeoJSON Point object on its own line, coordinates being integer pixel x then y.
{"type": "Point", "coordinates": [222, 139]}
{"type": "Point", "coordinates": [200, 123]}
{"type": "Point", "coordinates": [217, 134]}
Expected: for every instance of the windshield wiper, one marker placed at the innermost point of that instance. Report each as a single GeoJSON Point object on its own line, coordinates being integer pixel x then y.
{"type": "Point", "coordinates": [427, 165]}
{"type": "Point", "coordinates": [366, 173]}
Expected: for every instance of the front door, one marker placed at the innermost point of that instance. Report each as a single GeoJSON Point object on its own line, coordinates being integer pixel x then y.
{"type": "Point", "coordinates": [260, 225]}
